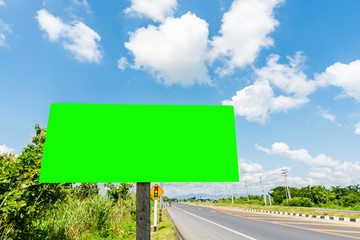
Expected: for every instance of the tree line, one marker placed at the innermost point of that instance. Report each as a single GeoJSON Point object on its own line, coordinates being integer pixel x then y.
{"type": "Point", "coordinates": [309, 196]}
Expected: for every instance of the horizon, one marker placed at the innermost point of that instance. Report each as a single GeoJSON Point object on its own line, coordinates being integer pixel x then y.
{"type": "Point", "coordinates": [291, 69]}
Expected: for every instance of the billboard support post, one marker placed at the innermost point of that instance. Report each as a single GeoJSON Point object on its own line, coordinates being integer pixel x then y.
{"type": "Point", "coordinates": [143, 211]}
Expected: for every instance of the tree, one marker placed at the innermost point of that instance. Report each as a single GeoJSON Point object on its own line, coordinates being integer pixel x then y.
{"type": "Point", "coordinates": [119, 192]}
{"type": "Point", "coordinates": [22, 197]}
{"type": "Point", "coordinates": [278, 194]}
{"type": "Point", "coordinates": [85, 190]}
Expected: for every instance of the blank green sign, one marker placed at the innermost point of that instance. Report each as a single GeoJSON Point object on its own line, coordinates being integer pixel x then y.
{"type": "Point", "coordinates": [140, 143]}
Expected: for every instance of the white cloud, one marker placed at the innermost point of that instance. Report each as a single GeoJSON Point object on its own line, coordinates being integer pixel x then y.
{"type": "Point", "coordinates": [244, 32]}
{"type": "Point", "coordinates": [78, 38]}
{"type": "Point", "coordinates": [157, 10]}
{"type": "Point", "coordinates": [122, 63]}
{"type": "Point", "coordinates": [4, 29]}
{"type": "Point", "coordinates": [257, 101]}
{"type": "Point", "coordinates": [300, 181]}
{"type": "Point", "coordinates": [323, 169]}
{"type": "Point", "coordinates": [357, 128]}
{"type": "Point", "coordinates": [174, 51]}
{"type": "Point", "coordinates": [253, 102]}
{"type": "Point", "coordinates": [325, 114]}
{"type": "Point", "coordinates": [5, 149]}
{"type": "Point", "coordinates": [301, 155]}
{"type": "Point", "coordinates": [290, 78]}
{"type": "Point", "coordinates": [83, 3]}
{"type": "Point", "coordinates": [2, 3]}
{"type": "Point", "coordinates": [346, 76]}
{"type": "Point", "coordinates": [246, 166]}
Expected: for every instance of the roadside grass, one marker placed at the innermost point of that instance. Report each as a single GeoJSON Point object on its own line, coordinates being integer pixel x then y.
{"type": "Point", "coordinates": [308, 211]}
{"type": "Point", "coordinates": [91, 218]}
{"type": "Point", "coordinates": [165, 228]}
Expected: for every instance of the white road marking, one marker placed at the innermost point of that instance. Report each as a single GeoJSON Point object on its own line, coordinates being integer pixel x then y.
{"type": "Point", "coordinates": [241, 234]}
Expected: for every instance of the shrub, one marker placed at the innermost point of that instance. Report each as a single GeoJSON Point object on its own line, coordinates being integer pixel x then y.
{"type": "Point", "coordinates": [350, 200]}
{"type": "Point", "coordinates": [299, 202]}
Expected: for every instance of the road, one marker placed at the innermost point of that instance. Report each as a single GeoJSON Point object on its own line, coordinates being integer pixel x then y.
{"type": "Point", "coordinates": [199, 222]}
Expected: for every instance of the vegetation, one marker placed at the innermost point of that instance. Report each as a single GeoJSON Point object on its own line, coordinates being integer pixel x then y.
{"type": "Point", "coordinates": [165, 228]}
{"type": "Point", "coordinates": [33, 210]}
{"type": "Point", "coordinates": [336, 197]}
{"type": "Point", "coordinates": [277, 208]}
{"type": "Point", "coordinates": [346, 198]}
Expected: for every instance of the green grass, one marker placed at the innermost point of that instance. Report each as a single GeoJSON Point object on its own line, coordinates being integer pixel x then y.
{"type": "Point", "coordinates": [308, 211]}
{"type": "Point", "coordinates": [92, 218]}
{"type": "Point", "coordinates": [165, 228]}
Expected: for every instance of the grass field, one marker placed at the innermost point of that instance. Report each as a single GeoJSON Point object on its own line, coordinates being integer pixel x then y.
{"type": "Point", "coordinates": [165, 228]}
{"type": "Point", "coordinates": [308, 211]}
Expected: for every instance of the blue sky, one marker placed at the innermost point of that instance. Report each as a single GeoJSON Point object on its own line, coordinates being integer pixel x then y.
{"type": "Point", "coordinates": [290, 68]}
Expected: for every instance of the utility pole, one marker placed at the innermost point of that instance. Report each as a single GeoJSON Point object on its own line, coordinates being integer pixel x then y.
{"type": "Point", "coordinates": [229, 191]}
{"type": "Point", "coordinates": [235, 191]}
{"type": "Point", "coordinates": [143, 211]}
{"type": "Point", "coordinates": [160, 208]}
{"type": "Point", "coordinates": [232, 196]}
{"type": "Point", "coordinates": [284, 173]}
{"type": "Point", "coordinates": [215, 194]}
{"type": "Point", "coordinates": [220, 194]}
{"type": "Point", "coordinates": [247, 191]}
{"type": "Point", "coordinates": [269, 198]}
{"type": "Point", "coordinates": [262, 188]}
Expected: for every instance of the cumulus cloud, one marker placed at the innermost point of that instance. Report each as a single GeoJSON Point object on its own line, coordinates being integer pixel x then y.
{"type": "Point", "coordinates": [257, 101]}
{"type": "Point", "coordinates": [345, 76]}
{"type": "Point", "coordinates": [157, 10]}
{"type": "Point", "coordinates": [244, 32]}
{"type": "Point", "coordinates": [2, 3]}
{"type": "Point", "coordinates": [174, 51]}
{"type": "Point", "coordinates": [122, 63]}
{"type": "Point", "coordinates": [290, 78]}
{"type": "Point", "coordinates": [323, 169]}
{"type": "Point", "coordinates": [357, 128]}
{"type": "Point", "coordinates": [78, 38]}
{"type": "Point", "coordinates": [301, 155]}
{"type": "Point", "coordinates": [246, 166]}
{"type": "Point", "coordinates": [5, 149]}
{"type": "Point", "coordinates": [4, 30]}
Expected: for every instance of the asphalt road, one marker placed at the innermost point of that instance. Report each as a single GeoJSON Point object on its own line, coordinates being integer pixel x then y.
{"type": "Point", "coordinates": [198, 222]}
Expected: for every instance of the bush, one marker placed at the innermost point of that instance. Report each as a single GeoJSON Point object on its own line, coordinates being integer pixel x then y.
{"type": "Point", "coordinates": [22, 197]}
{"type": "Point", "coordinates": [118, 192]}
{"type": "Point", "coordinates": [350, 200]}
{"type": "Point", "coordinates": [299, 202]}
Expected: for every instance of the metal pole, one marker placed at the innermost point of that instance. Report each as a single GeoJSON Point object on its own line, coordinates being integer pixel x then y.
{"type": "Point", "coordinates": [155, 215]}
{"type": "Point", "coordinates": [287, 188]}
{"type": "Point", "coordinates": [262, 188]}
{"type": "Point", "coordinates": [287, 192]}
{"type": "Point", "coordinates": [235, 190]}
{"type": "Point", "coordinates": [232, 197]}
{"type": "Point", "coordinates": [269, 198]}
{"type": "Point", "coordinates": [160, 208]}
{"type": "Point", "coordinates": [143, 211]}
{"type": "Point", "coordinates": [247, 191]}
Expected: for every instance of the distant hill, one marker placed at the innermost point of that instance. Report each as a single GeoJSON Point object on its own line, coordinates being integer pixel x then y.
{"type": "Point", "coordinates": [203, 195]}
{"type": "Point", "coordinates": [191, 195]}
